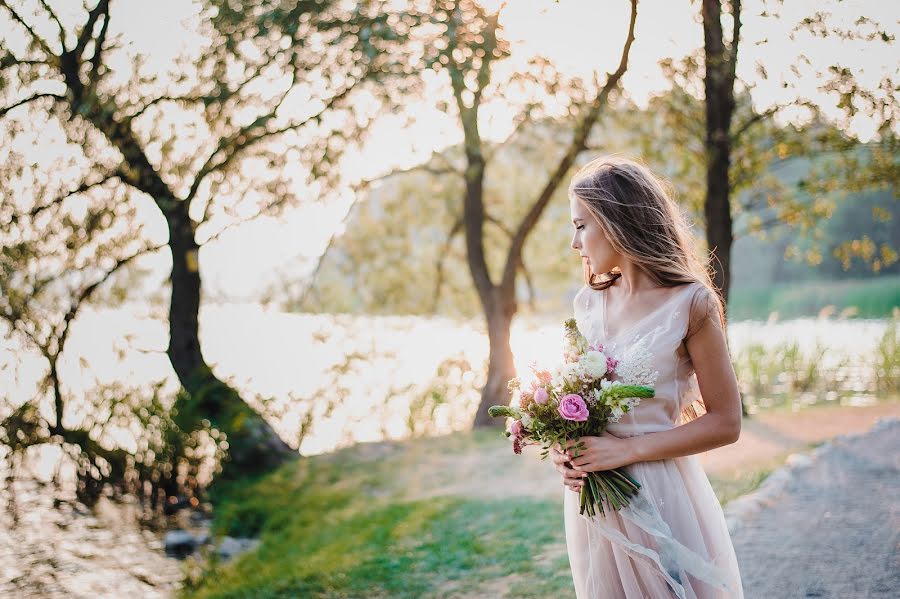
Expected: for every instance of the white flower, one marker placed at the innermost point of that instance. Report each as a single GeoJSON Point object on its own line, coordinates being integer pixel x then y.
{"type": "Point", "coordinates": [527, 421]}
{"type": "Point", "coordinates": [593, 363]}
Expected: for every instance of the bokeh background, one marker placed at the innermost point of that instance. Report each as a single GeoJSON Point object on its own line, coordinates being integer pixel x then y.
{"type": "Point", "coordinates": [265, 264]}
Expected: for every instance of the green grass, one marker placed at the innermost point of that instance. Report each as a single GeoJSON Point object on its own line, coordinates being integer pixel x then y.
{"type": "Point", "coordinates": [335, 526]}
{"type": "Point", "coordinates": [872, 298]}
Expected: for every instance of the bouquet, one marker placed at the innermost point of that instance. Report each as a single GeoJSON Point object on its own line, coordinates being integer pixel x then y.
{"type": "Point", "coordinates": [577, 399]}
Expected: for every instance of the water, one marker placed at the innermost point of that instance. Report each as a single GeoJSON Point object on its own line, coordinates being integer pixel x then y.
{"type": "Point", "coordinates": [286, 358]}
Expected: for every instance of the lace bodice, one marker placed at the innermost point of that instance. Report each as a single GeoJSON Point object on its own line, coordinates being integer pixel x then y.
{"type": "Point", "coordinates": [650, 352]}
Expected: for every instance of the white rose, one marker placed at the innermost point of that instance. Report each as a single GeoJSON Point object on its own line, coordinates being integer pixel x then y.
{"type": "Point", "coordinates": [594, 363]}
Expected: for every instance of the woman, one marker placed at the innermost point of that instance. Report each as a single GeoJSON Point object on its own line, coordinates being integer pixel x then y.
{"type": "Point", "coordinates": [650, 302]}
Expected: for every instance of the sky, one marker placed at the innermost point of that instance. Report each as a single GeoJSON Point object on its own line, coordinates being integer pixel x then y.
{"type": "Point", "coordinates": [579, 36]}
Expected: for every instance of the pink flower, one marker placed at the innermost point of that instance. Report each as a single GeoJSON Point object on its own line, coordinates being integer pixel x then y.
{"type": "Point", "coordinates": [598, 347]}
{"type": "Point", "coordinates": [516, 429]}
{"type": "Point", "coordinates": [541, 396]}
{"type": "Point", "coordinates": [611, 363]}
{"type": "Point", "coordinates": [517, 445]}
{"type": "Point", "coordinates": [572, 407]}
{"type": "Point", "coordinates": [526, 398]}
{"type": "Point", "coordinates": [544, 376]}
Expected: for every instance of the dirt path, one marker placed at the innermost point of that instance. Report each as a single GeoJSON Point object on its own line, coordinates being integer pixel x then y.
{"type": "Point", "coordinates": [767, 436]}
{"type": "Point", "coordinates": [834, 531]}
{"type": "Point", "coordinates": [494, 472]}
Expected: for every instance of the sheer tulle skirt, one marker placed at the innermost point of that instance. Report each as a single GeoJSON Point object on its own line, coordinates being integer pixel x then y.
{"type": "Point", "coordinates": [672, 541]}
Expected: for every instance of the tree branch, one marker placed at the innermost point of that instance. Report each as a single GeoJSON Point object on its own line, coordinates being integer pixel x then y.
{"type": "Point", "coordinates": [6, 109]}
{"type": "Point", "coordinates": [85, 186]}
{"type": "Point", "coordinates": [102, 8]}
{"type": "Point", "coordinates": [62, 30]}
{"type": "Point", "coordinates": [252, 134]}
{"type": "Point", "coordinates": [85, 293]}
{"type": "Point", "coordinates": [34, 36]}
{"type": "Point", "coordinates": [577, 146]}
{"type": "Point", "coordinates": [94, 75]}
{"type": "Point", "coordinates": [439, 266]}
{"type": "Point", "coordinates": [756, 118]}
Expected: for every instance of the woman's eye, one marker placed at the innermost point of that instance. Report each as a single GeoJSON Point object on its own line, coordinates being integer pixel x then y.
{"type": "Point", "coordinates": [579, 227]}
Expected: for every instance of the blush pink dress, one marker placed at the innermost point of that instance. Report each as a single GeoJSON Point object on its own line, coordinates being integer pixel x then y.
{"type": "Point", "coordinates": [672, 540]}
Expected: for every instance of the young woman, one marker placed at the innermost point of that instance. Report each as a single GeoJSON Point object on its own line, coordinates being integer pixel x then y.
{"type": "Point", "coordinates": [649, 301]}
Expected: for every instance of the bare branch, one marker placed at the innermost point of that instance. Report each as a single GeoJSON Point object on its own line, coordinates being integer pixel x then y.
{"type": "Point", "coordinates": [41, 42]}
{"type": "Point", "coordinates": [521, 122]}
{"type": "Point", "coordinates": [231, 146]}
{"type": "Point", "coordinates": [6, 109]}
{"type": "Point", "coordinates": [102, 8]}
{"type": "Point", "coordinates": [85, 186]}
{"type": "Point", "coordinates": [529, 282]}
{"type": "Point", "coordinates": [756, 118]}
{"type": "Point", "coordinates": [9, 60]}
{"type": "Point", "coordinates": [85, 293]}
{"type": "Point", "coordinates": [98, 51]}
{"type": "Point", "coordinates": [62, 30]}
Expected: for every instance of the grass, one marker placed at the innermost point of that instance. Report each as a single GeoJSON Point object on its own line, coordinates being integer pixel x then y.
{"type": "Point", "coordinates": [337, 526]}
{"type": "Point", "coordinates": [344, 525]}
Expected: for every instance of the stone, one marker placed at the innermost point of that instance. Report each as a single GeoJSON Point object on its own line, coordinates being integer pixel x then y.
{"type": "Point", "coordinates": [180, 543]}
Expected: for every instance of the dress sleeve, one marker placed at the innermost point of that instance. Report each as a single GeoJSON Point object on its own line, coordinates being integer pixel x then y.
{"type": "Point", "coordinates": [704, 310]}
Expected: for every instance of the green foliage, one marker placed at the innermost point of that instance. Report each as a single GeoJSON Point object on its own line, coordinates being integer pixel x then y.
{"type": "Point", "coordinates": [864, 298]}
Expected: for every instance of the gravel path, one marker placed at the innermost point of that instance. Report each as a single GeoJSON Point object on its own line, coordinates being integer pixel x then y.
{"type": "Point", "coordinates": [828, 526]}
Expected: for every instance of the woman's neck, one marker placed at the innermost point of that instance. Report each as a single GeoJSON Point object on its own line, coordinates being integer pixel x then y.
{"type": "Point", "coordinates": [633, 280]}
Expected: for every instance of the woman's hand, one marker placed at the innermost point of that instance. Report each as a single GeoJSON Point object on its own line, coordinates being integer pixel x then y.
{"type": "Point", "coordinates": [605, 452]}
{"type": "Point", "coordinates": [571, 478]}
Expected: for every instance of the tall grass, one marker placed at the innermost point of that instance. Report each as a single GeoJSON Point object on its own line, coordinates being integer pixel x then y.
{"type": "Point", "coordinates": [782, 374]}
{"type": "Point", "coordinates": [887, 358]}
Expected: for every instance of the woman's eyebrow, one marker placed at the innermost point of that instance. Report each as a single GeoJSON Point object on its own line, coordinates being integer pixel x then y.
{"type": "Point", "coordinates": [575, 220]}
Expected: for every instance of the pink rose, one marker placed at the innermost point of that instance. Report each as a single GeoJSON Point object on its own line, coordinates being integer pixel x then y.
{"type": "Point", "coordinates": [541, 396]}
{"type": "Point", "coordinates": [516, 429]}
{"type": "Point", "coordinates": [572, 407]}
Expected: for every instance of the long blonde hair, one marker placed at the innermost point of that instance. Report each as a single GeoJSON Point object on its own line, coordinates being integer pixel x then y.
{"type": "Point", "coordinates": [640, 220]}
{"type": "Point", "coordinates": [643, 224]}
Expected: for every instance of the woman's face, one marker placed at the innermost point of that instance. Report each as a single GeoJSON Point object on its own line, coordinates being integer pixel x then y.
{"type": "Point", "coordinates": [589, 240]}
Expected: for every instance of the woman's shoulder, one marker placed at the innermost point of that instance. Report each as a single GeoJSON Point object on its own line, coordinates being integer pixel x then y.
{"type": "Point", "coordinates": [703, 307]}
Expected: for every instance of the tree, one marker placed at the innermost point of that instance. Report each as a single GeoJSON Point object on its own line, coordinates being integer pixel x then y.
{"type": "Point", "coordinates": [471, 191]}
{"type": "Point", "coordinates": [47, 276]}
{"type": "Point", "coordinates": [722, 136]}
{"type": "Point", "coordinates": [270, 85]}
{"type": "Point", "coordinates": [473, 43]}
{"type": "Point", "coordinates": [718, 81]}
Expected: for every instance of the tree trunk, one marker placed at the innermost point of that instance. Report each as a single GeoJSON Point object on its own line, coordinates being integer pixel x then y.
{"type": "Point", "coordinates": [500, 362]}
{"type": "Point", "coordinates": [718, 83]}
{"type": "Point", "coordinates": [253, 445]}
{"type": "Point", "coordinates": [719, 88]}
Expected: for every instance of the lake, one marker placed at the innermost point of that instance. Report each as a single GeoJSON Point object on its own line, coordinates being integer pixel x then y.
{"type": "Point", "coordinates": [296, 362]}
